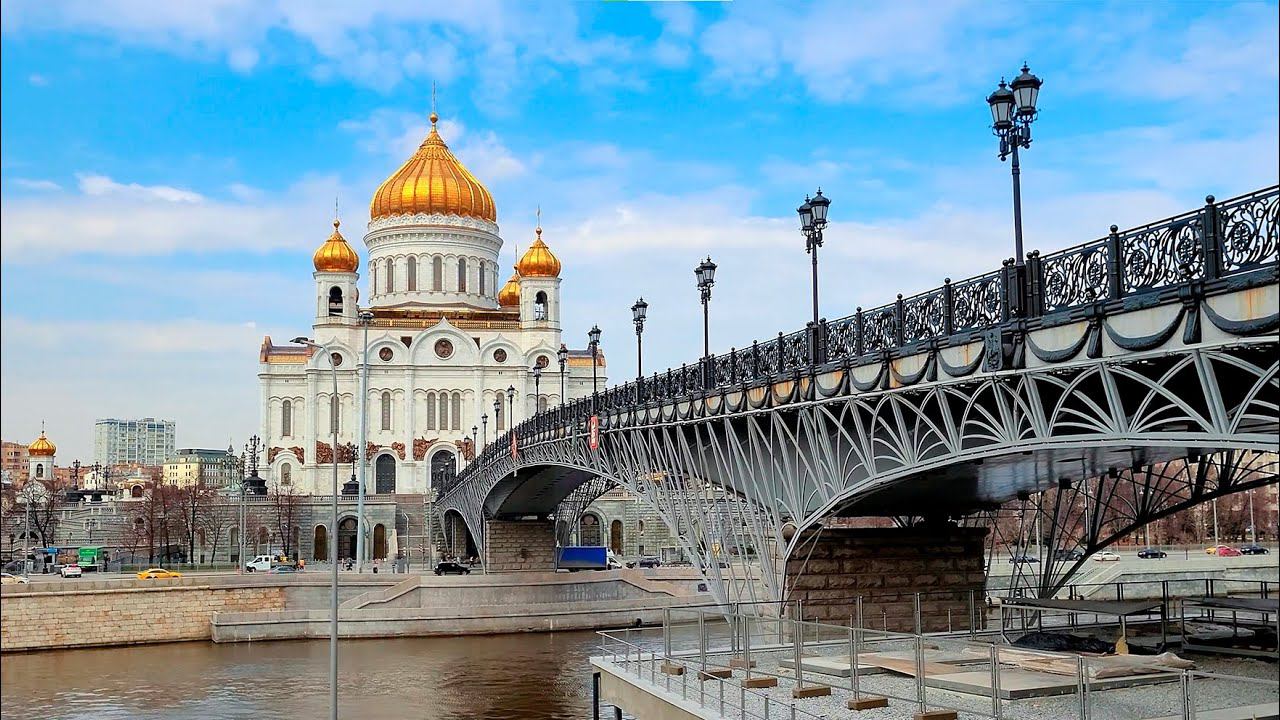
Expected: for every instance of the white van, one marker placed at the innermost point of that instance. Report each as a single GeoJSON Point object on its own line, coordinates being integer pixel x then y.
{"type": "Point", "coordinates": [261, 562]}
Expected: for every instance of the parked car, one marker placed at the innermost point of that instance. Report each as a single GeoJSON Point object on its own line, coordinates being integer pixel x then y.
{"type": "Point", "coordinates": [1023, 559]}
{"type": "Point", "coordinates": [10, 579]}
{"type": "Point", "coordinates": [1068, 554]}
{"type": "Point", "coordinates": [452, 568]}
{"type": "Point", "coordinates": [1253, 549]}
{"type": "Point", "coordinates": [283, 570]}
{"type": "Point", "coordinates": [651, 561]}
{"type": "Point", "coordinates": [1106, 556]}
{"type": "Point", "coordinates": [1152, 554]}
{"type": "Point", "coordinates": [70, 571]}
{"type": "Point", "coordinates": [158, 574]}
{"type": "Point", "coordinates": [1228, 551]}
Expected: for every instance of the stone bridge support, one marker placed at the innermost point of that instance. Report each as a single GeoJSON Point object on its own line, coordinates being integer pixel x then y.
{"type": "Point", "coordinates": [887, 566]}
{"type": "Point", "coordinates": [519, 545]}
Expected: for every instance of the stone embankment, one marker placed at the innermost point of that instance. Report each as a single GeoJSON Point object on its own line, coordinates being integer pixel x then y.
{"type": "Point", "coordinates": [230, 608]}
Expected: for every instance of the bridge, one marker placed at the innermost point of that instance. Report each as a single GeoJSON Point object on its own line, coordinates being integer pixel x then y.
{"type": "Point", "coordinates": [1117, 381]}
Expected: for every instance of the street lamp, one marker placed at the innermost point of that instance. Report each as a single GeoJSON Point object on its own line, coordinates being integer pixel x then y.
{"type": "Point", "coordinates": [813, 219]}
{"type": "Point", "coordinates": [706, 274]}
{"type": "Point", "coordinates": [537, 389]}
{"type": "Point", "coordinates": [638, 313]}
{"type": "Point", "coordinates": [1013, 109]}
{"type": "Point", "coordinates": [593, 342]}
{"type": "Point", "coordinates": [562, 357]}
{"type": "Point", "coordinates": [484, 430]}
{"type": "Point", "coordinates": [511, 406]}
{"type": "Point", "coordinates": [497, 414]}
{"type": "Point", "coordinates": [366, 318]}
{"type": "Point", "coordinates": [333, 546]}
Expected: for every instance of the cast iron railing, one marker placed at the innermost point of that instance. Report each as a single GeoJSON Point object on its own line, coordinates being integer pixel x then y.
{"type": "Point", "coordinates": [1215, 242]}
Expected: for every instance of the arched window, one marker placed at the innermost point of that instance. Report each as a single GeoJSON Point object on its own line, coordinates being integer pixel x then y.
{"type": "Point", "coordinates": [373, 280]}
{"type": "Point", "coordinates": [136, 491]}
{"type": "Point", "coordinates": [335, 300]}
{"type": "Point", "coordinates": [443, 468]}
{"type": "Point", "coordinates": [540, 306]}
{"type": "Point", "coordinates": [384, 474]}
{"type": "Point", "coordinates": [391, 275]}
{"type": "Point", "coordinates": [542, 402]}
{"type": "Point", "coordinates": [462, 275]}
{"type": "Point", "coordinates": [431, 411]}
{"type": "Point", "coordinates": [386, 410]}
{"type": "Point", "coordinates": [286, 474]}
{"type": "Point", "coordinates": [286, 418]}
{"type": "Point", "coordinates": [457, 411]}
{"type": "Point", "coordinates": [444, 411]}
{"type": "Point", "coordinates": [333, 414]}
{"type": "Point", "coordinates": [437, 273]}
{"type": "Point", "coordinates": [40, 470]}
{"type": "Point", "coordinates": [482, 278]}
{"type": "Point", "coordinates": [411, 272]}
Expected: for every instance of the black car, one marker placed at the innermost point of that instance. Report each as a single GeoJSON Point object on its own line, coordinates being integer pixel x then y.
{"type": "Point", "coordinates": [1068, 555]}
{"type": "Point", "coordinates": [1021, 559]}
{"type": "Point", "coordinates": [1253, 549]}
{"type": "Point", "coordinates": [452, 568]}
{"type": "Point", "coordinates": [645, 562]}
{"type": "Point", "coordinates": [1152, 554]}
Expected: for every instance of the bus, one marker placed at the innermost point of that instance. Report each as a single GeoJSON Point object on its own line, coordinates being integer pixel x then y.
{"type": "Point", "coordinates": [91, 558]}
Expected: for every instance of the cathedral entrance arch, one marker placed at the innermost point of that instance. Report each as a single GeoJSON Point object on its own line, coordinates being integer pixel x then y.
{"type": "Point", "coordinates": [615, 537]}
{"type": "Point", "coordinates": [347, 538]}
{"type": "Point", "coordinates": [443, 467]}
{"type": "Point", "coordinates": [379, 542]}
{"type": "Point", "coordinates": [320, 543]}
{"type": "Point", "coordinates": [384, 474]}
{"type": "Point", "coordinates": [589, 530]}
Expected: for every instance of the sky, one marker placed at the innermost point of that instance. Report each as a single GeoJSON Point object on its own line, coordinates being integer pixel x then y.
{"type": "Point", "coordinates": [167, 169]}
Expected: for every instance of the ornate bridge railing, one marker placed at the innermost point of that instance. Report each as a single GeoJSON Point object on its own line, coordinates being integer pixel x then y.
{"type": "Point", "coordinates": [1236, 242]}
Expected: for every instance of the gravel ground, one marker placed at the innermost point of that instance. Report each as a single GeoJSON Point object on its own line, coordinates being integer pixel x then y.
{"type": "Point", "coordinates": [1145, 701]}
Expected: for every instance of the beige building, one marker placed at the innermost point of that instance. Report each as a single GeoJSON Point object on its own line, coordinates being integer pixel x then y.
{"type": "Point", "coordinates": [191, 466]}
{"type": "Point", "coordinates": [15, 462]}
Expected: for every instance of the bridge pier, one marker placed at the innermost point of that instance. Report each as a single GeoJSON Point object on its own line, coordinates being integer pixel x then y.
{"type": "Point", "coordinates": [887, 567]}
{"type": "Point", "coordinates": [517, 545]}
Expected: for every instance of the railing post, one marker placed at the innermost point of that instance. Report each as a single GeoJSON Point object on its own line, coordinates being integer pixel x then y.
{"type": "Point", "coordinates": [1008, 283]}
{"type": "Point", "coordinates": [755, 359]}
{"type": "Point", "coordinates": [1210, 240]}
{"type": "Point", "coordinates": [858, 344]}
{"type": "Point", "coordinates": [948, 309]}
{"type": "Point", "coordinates": [1035, 283]}
{"type": "Point", "coordinates": [899, 322]}
{"type": "Point", "coordinates": [824, 352]}
{"type": "Point", "coordinates": [1115, 265]}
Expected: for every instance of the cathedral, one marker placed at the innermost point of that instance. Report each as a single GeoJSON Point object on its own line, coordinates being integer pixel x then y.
{"type": "Point", "coordinates": [454, 357]}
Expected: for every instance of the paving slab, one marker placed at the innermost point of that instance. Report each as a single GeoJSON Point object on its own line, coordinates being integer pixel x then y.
{"type": "Point", "coordinates": [1019, 684]}
{"type": "Point", "coordinates": [1262, 711]}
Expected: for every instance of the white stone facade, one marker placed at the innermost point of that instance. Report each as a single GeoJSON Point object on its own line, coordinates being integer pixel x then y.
{"type": "Point", "coordinates": [440, 351]}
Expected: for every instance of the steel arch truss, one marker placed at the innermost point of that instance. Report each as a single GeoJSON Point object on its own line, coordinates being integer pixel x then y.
{"type": "Point", "coordinates": [742, 471]}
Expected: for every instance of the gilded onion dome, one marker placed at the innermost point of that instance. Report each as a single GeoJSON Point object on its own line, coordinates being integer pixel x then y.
{"type": "Point", "coordinates": [509, 295]}
{"type": "Point", "coordinates": [335, 255]}
{"type": "Point", "coordinates": [433, 182]}
{"type": "Point", "coordinates": [42, 447]}
{"type": "Point", "coordinates": [538, 260]}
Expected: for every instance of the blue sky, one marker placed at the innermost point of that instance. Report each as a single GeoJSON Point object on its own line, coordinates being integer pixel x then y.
{"type": "Point", "coordinates": [167, 169]}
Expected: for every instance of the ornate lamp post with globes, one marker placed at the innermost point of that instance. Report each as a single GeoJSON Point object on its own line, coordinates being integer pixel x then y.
{"type": "Point", "coordinates": [562, 357]}
{"type": "Point", "coordinates": [813, 219]}
{"type": "Point", "coordinates": [537, 389]}
{"type": "Point", "coordinates": [638, 313]}
{"type": "Point", "coordinates": [706, 274]}
{"type": "Point", "coordinates": [1013, 109]}
{"type": "Point", "coordinates": [593, 342]}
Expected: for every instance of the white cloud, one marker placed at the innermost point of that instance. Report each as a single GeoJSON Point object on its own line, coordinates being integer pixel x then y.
{"type": "Point", "coordinates": [38, 80]}
{"type": "Point", "coordinates": [34, 184]}
{"type": "Point", "coordinates": [94, 185]}
{"type": "Point", "coordinates": [396, 134]}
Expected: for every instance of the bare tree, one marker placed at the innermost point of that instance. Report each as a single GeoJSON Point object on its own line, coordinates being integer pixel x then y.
{"type": "Point", "coordinates": [131, 535]}
{"type": "Point", "coordinates": [41, 501]}
{"type": "Point", "coordinates": [192, 503]}
{"type": "Point", "coordinates": [220, 518]}
{"type": "Point", "coordinates": [286, 505]}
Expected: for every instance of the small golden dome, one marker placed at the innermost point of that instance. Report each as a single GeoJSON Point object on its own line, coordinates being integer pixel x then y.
{"type": "Point", "coordinates": [509, 295]}
{"type": "Point", "coordinates": [335, 255]}
{"type": "Point", "coordinates": [538, 260]}
{"type": "Point", "coordinates": [431, 182]}
{"type": "Point", "coordinates": [42, 447]}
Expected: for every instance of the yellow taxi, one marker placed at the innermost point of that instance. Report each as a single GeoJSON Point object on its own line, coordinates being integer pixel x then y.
{"type": "Point", "coordinates": [158, 574]}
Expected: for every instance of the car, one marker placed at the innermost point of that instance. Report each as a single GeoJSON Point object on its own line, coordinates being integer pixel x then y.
{"type": "Point", "coordinates": [158, 574]}
{"type": "Point", "coordinates": [11, 579]}
{"type": "Point", "coordinates": [1068, 555]}
{"type": "Point", "coordinates": [1106, 556]}
{"type": "Point", "coordinates": [452, 568]}
{"type": "Point", "coordinates": [1253, 549]}
{"type": "Point", "coordinates": [1152, 554]}
{"type": "Point", "coordinates": [1023, 559]}
{"type": "Point", "coordinates": [260, 563]}
{"type": "Point", "coordinates": [645, 562]}
{"type": "Point", "coordinates": [283, 570]}
{"type": "Point", "coordinates": [70, 571]}
{"type": "Point", "coordinates": [1228, 551]}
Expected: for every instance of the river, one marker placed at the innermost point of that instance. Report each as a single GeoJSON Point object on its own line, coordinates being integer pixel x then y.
{"type": "Point", "coordinates": [541, 676]}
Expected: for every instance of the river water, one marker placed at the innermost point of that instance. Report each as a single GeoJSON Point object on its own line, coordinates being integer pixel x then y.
{"type": "Point", "coordinates": [541, 676]}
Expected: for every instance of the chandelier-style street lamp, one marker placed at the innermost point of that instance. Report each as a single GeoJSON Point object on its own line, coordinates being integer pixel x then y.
{"type": "Point", "coordinates": [813, 220]}
{"type": "Point", "coordinates": [638, 313]}
{"type": "Point", "coordinates": [1013, 109]}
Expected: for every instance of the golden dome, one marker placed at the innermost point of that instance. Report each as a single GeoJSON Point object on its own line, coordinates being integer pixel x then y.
{"type": "Point", "coordinates": [433, 182]}
{"type": "Point", "coordinates": [42, 447]}
{"type": "Point", "coordinates": [509, 295]}
{"type": "Point", "coordinates": [335, 255]}
{"type": "Point", "coordinates": [538, 260]}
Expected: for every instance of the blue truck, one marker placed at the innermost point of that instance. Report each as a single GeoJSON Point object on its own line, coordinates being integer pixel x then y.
{"type": "Point", "coordinates": [585, 557]}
